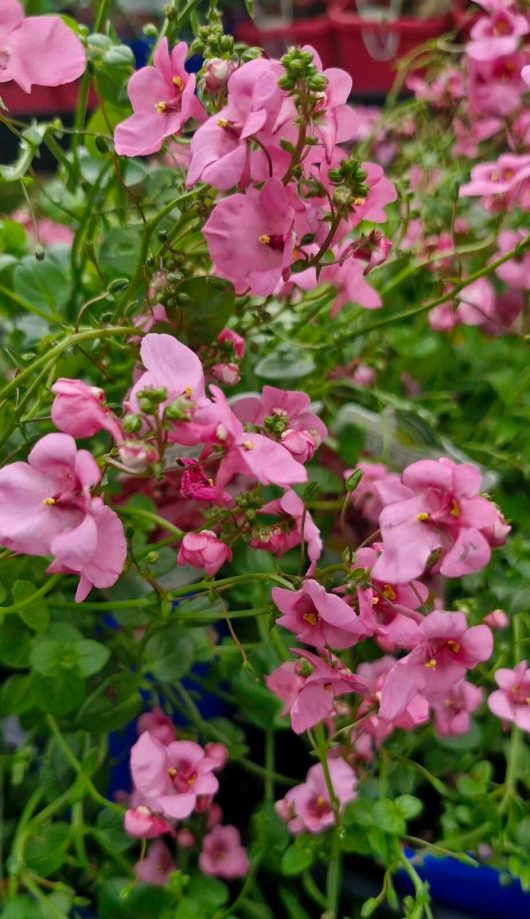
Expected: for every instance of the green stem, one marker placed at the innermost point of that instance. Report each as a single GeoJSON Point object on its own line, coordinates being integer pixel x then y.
{"type": "Point", "coordinates": [269, 767]}
{"type": "Point", "coordinates": [514, 752]}
{"type": "Point", "coordinates": [57, 350]}
{"type": "Point", "coordinates": [28, 601]}
{"type": "Point", "coordinates": [333, 880]}
{"type": "Point", "coordinates": [448, 295]}
{"type": "Point", "coordinates": [151, 518]}
{"type": "Point", "coordinates": [77, 766]}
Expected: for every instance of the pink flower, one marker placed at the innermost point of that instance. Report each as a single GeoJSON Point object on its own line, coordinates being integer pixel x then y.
{"type": "Point", "coordinates": [476, 303]}
{"type": "Point", "coordinates": [515, 272]}
{"type": "Point", "coordinates": [444, 649]}
{"type": "Point", "coordinates": [169, 365]}
{"type": "Point", "coordinates": [496, 35]}
{"type": "Point", "coordinates": [204, 550]}
{"type": "Point", "coordinates": [286, 682]}
{"type": "Point", "coordinates": [80, 410]}
{"type": "Point", "coordinates": [525, 73]}
{"type": "Point", "coordinates": [219, 150]}
{"type": "Point", "coordinates": [511, 700]}
{"type": "Point", "coordinates": [195, 484]}
{"type": "Point", "coordinates": [137, 455]}
{"type": "Point", "coordinates": [250, 238]}
{"type": "Point", "coordinates": [364, 376]}
{"type": "Point", "coordinates": [217, 73]}
{"type": "Point", "coordinates": [231, 340]}
{"type": "Point", "coordinates": [163, 99]}
{"type": "Point", "coordinates": [247, 453]}
{"type": "Point", "coordinates": [334, 121]}
{"type": "Point", "coordinates": [157, 866]}
{"type": "Point", "coordinates": [347, 276]}
{"type": "Point", "coordinates": [171, 777]}
{"type": "Point", "coordinates": [46, 497]}
{"type": "Point", "coordinates": [280, 410]}
{"type": "Point", "coordinates": [307, 807]}
{"type": "Point", "coordinates": [436, 508]}
{"type": "Point", "coordinates": [96, 550]}
{"type": "Point", "coordinates": [452, 716]}
{"type": "Point", "coordinates": [393, 606]}
{"type": "Point", "coordinates": [497, 619]}
{"type": "Point", "coordinates": [320, 681]}
{"type": "Point", "coordinates": [227, 374]}
{"type": "Point", "coordinates": [317, 617]}
{"type": "Point", "coordinates": [300, 444]}
{"type": "Point", "coordinates": [292, 506]}
{"type": "Point", "coordinates": [38, 50]}
{"type": "Point", "coordinates": [142, 823]}
{"type": "Point", "coordinates": [365, 498]}
{"type": "Point", "coordinates": [158, 724]}
{"type": "Point", "coordinates": [222, 854]}
{"type": "Point", "coordinates": [501, 184]}
{"type": "Point", "coordinates": [217, 752]}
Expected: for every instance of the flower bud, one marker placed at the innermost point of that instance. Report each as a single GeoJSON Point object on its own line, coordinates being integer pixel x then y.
{"type": "Point", "coordinates": [217, 73]}
{"type": "Point", "coordinates": [137, 455]}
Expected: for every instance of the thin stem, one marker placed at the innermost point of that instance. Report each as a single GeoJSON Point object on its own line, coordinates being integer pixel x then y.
{"type": "Point", "coordinates": [74, 762]}
{"type": "Point", "coordinates": [57, 350]}
{"type": "Point", "coordinates": [448, 295]}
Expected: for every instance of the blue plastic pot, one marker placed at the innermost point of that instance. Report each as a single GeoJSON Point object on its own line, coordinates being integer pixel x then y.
{"type": "Point", "coordinates": [475, 891]}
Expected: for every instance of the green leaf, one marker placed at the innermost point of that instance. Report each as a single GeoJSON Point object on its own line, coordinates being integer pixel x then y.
{"type": "Point", "coordinates": [46, 850]}
{"type": "Point", "coordinates": [36, 615]}
{"type": "Point", "coordinates": [477, 781]}
{"type": "Point", "coordinates": [21, 908]}
{"type": "Point", "coordinates": [286, 362]}
{"type": "Point", "coordinates": [115, 702]}
{"type": "Point", "coordinates": [360, 811]}
{"type": "Point", "coordinates": [91, 656]}
{"type": "Point", "coordinates": [169, 653]}
{"type": "Point", "coordinates": [16, 694]}
{"type": "Point", "coordinates": [388, 817]}
{"type": "Point", "coordinates": [121, 898]}
{"type": "Point", "coordinates": [120, 250]}
{"type": "Point", "coordinates": [369, 907]}
{"type": "Point", "coordinates": [211, 303]}
{"type": "Point", "coordinates": [14, 643]}
{"type": "Point", "coordinates": [409, 806]}
{"type": "Point", "coordinates": [42, 284]}
{"type": "Point", "coordinates": [58, 694]}
{"type": "Point", "coordinates": [258, 704]}
{"type": "Point", "coordinates": [296, 859]}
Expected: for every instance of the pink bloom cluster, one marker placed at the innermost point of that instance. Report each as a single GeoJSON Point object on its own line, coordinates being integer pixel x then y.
{"type": "Point", "coordinates": [433, 520]}
{"type": "Point", "coordinates": [172, 779]}
{"type": "Point", "coordinates": [271, 217]}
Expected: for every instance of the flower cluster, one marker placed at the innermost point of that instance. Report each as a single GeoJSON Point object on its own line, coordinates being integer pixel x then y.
{"type": "Point", "coordinates": [294, 196]}
{"type": "Point", "coordinates": [172, 780]}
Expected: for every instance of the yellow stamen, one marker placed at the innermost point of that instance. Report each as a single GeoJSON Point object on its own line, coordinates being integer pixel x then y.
{"type": "Point", "coordinates": [375, 601]}
{"type": "Point", "coordinates": [431, 665]}
{"type": "Point", "coordinates": [210, 482]}
{"type": "Point", "coordinates": [311, 618]}
{"type": "Point", "coordinates": [422, 517]}
{"type": "Point", "coordinates": [222, 123]}
{"type": "Point", "coordinates": [358, 202]}
{"type": "Point", "coordinates": [48, 502]}
{"type": "Point", "coordinates": [178, 82]}
{"type": "Point", "coordinates": [187, 392]}
{"type": "Point", "coordinates": [264, 240]}
{"type": "Point", "coordinates": [455, 510]}
{"type": "Point", "coordinates": [172, 772]}
{"type": "Point", "coordinates": [161, 107]}
{"type": "Point", "coordinates": [388, 592]}
{"type": "Point", "coordinates": [453, 646]}
{"type": "Point", "coordinates": [192, 779]}
{"type": "Point", "coordinates": [248, 445]}
{"type": "Point", "coordinates": [321, 801]}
